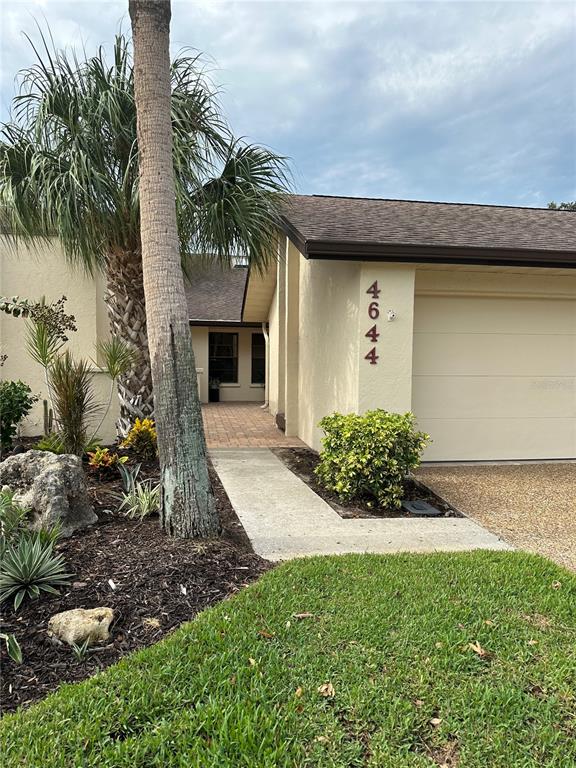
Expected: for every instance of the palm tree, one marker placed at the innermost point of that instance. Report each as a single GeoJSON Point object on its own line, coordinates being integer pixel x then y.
{"type": "Point", "coordinates": [187, 507]}
{"type": "Point", "coordinates": [69, 169]}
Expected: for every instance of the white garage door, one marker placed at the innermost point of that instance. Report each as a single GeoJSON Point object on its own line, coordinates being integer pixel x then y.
{"type": "Point", "coordinates": [495, 378]}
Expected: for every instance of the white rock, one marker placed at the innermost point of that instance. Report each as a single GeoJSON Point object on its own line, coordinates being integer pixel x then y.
{"type": "Point", "coordinates": [52, 487]}
{"type": "Point", "coordinates": [77, 625]}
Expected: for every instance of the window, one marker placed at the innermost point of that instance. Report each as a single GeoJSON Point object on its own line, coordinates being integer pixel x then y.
{"type": "Point", "coordinates": [223, 357]}
{"type": "Point", "coordinates": [258, 358]}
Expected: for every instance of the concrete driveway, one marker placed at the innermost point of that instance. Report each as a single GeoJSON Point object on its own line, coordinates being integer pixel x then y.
{"type": "Point", "coordinates": [532, 506]}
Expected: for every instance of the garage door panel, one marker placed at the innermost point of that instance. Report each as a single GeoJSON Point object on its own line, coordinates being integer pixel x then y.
{"type": "Point", "coordinates": [493, 397]}
{"type": "Point", "coordinates": [495, 378]}
{"type": "Point", "coordinates": [494, 354]}
{"type": "Point", "coordinates": [473, 314]}
{"type": "Point", "coordinates": [484, 439]}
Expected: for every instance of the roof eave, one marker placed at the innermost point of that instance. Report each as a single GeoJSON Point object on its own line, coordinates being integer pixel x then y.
{"type": "Point", "coordinates": [350, 251]}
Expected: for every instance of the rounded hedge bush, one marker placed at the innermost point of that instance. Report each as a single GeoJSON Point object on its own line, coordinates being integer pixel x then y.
{"type": "Point", "coordinates": [369, 455]}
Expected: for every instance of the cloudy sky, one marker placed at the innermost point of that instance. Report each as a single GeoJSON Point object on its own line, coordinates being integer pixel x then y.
{"type": "Point", "coordinates": [462, 101]}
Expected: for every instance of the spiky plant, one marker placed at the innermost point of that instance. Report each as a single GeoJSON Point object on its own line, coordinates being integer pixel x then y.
{"type": "Point", "coordinates": [71, 383]}
{"type": "Point", "coordinates": [69, 169]}
{"type": "Point", "coordinates": [30, 567]}
{"type": "Point", "coordinates": [12, 519]}
{"type": "Point", "coordinates": [142, 500]}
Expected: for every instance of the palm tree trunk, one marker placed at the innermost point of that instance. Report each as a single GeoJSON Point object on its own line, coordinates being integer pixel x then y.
{"type": "Point", "coordinates": [127, 314]}
{"type": "Point", "coordinates": [188, 508]}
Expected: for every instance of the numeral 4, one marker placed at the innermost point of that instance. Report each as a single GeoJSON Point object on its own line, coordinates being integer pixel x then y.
{"type": "Point", "coordinates": [372, 356]}
{"type": "Point", "coordinates": [372, 334]}
{"type": "Point", "coordinates": [374, 291]}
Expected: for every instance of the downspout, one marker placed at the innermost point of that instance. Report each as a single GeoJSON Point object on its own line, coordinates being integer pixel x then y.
{"type": "Point", "coordinates": [267, 353]}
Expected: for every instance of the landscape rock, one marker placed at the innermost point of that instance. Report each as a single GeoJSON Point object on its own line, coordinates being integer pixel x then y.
{"type": "Point", "coordinates": [52, 487]}
{"type": "Point", "coordinates": [81, 624]}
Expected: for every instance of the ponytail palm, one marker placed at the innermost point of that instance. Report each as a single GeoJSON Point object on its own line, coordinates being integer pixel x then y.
{"type": "Point", "coordinates": [69, 169]}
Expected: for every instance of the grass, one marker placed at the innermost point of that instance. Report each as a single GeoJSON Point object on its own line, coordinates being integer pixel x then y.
{"type": "Point", "coordinates": [393, 635]}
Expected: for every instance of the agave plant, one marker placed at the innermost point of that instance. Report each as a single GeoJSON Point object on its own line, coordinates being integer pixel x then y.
{"type": "Point", "coordinates": [30, 567]}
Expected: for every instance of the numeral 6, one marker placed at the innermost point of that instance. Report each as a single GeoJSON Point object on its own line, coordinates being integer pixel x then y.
{"type": "Point", "coordinates": [373, 310]}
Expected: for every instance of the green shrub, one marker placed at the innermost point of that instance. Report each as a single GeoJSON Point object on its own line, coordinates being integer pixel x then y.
{"type": "Point", "coordinates": [55, 444]}
{"type": "Point", "coordinates": [369, 456]}
{"type": "Point", "coordinates": [30, 567]}
{"type": "Point", "coordinates": [105, 462]}
{"type": "Point", "coordinates": [51, 443]}
{"type": "Point", "coordinates": [16, 400]}
{"type": "Point", "coordinates": [142, 438]}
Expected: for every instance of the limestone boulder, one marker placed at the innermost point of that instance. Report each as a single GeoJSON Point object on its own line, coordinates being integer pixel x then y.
{"type": "Point", "coordinates": [52, 487]}
{"type": "Point", "coordinates": [80, 625]}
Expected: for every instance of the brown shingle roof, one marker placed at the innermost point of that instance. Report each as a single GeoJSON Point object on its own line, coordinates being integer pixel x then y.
{"type": "Point", "coordinates": [324, 225]}
{"type": "Point", "coordinates": [216, 294]}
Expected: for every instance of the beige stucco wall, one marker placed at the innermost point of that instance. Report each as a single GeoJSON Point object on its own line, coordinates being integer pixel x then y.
{"type": "Point", "coordinates": [319, 366]}
{"type": "Point", "coordinates": [495, 364]}
{"type": "Point", "coordinates": [292, 342]}
{"type": "Point", "coordinates": [244, 390]}
{"type": "Point", "coordinates": [44, 272]}
{"type": "Point", "coordinates": [277, 337]}
{"type": "Point", "coordinates": [388, 383]}
{"type": "Point", "coordinates": [329, 345]}
{"type": "Point", "coordinates": [333, 374]}
{"type": "Point", "coordinates": [200, 347]}
{"type": "Point", "coordinates": [485, 357]}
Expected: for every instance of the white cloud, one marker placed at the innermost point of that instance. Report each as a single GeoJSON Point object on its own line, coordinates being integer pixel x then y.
{"type": "Point", "coordinates": [428, 99]}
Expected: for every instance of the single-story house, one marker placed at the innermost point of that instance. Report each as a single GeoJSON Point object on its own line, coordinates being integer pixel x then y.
{"type": "Point", "coordinates": [464, 314]}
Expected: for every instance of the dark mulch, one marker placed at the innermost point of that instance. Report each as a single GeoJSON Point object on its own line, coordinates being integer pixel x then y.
{"type": "Point", "coordinates": [303, 462]}
{"type": "Point", "coordinates": [159, 583]}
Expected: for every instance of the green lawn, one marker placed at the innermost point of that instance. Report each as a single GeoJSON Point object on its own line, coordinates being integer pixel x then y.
{"type": "Point", "coordinates": [239, 686]}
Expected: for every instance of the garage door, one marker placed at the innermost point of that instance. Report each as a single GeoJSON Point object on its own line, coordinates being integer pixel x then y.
{"type": "Point", "coordinates": [495, 378]}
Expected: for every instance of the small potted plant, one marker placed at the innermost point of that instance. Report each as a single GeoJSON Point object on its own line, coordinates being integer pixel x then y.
{"type": "Point", "coordinates": [214, 391]}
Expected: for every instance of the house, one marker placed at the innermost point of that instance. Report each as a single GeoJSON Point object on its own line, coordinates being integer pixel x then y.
{"type": "Point", "coordinates": [226, 348]}
{"type": "Point", "coordinates": [464, 314]}
{"type": "Point", "coordinates": [229, 353]}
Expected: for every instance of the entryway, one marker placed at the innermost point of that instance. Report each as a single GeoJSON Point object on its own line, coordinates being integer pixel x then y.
{"type": "Point", "coordinates": [243, 425]}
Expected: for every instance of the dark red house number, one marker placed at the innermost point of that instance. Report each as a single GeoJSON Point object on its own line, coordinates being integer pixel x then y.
{"type": "Point", "coordinates": [373, 314]}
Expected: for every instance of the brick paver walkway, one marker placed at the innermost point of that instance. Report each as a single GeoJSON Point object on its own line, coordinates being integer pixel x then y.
{"type": "Point", "coordinates": [242, 425]}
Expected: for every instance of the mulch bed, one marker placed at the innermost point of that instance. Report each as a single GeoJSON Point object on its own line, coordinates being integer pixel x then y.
{"type": "Point", "coordinates": [158, 583]}
{"type": "Point", "coordinates": [303, 462]}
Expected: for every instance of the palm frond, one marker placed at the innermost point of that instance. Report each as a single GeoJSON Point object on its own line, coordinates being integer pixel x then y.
{"type": "Point", "coordinates": [237, 212]}
{"type": "Point", "coordinates": [69, 161]}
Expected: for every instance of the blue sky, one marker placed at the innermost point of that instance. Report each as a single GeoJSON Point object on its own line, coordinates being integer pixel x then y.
{"type": "Point", "coordinates": [460, 101]}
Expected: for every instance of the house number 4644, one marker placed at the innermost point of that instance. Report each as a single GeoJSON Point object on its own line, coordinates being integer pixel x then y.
{"type": "Point", "coordinates": [373, 314]}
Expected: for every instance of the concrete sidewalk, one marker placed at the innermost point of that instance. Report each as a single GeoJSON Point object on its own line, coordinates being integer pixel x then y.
{"type": "Point", "coordinates": [284, 518]}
